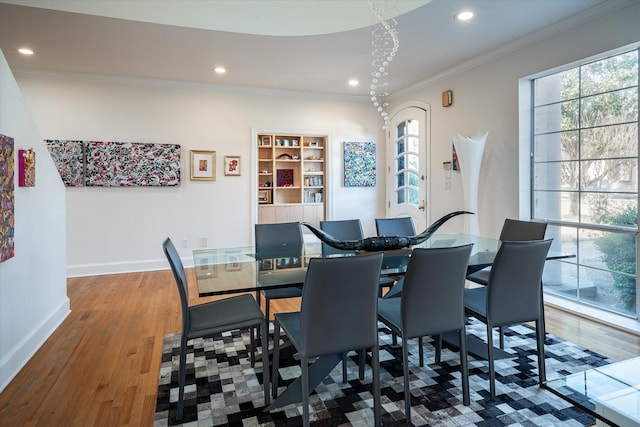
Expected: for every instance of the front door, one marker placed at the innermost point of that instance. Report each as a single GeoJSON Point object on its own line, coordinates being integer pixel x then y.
{"type": "Point", "coordinates": [407, 193]}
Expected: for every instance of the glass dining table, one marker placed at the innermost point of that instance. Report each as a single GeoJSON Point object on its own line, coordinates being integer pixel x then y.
{"type": "Point", "coordinates": [225, 271]}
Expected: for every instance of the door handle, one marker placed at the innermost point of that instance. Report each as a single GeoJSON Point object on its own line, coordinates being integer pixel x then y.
{"type": "Point", "coordinates": [421, 206]}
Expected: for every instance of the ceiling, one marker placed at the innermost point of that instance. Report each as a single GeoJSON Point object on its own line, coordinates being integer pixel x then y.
{"type": "Point", "coordinates": [303, 46]}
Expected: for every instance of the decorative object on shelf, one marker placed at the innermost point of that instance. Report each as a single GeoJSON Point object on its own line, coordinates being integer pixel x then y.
{"type": "Point", "coordinates": [294, 142]}
{"type": "Point", "coordinates": [284, 156]}
{"type": "Point", "coordinates": [27, 168]}
{"type": "Point", "coordinates": [469, 152]}
{"type": "Point", "coordinates": [264, 196]}
{"type": "Point", "coordinates": [285, 177]}
{"type": "Point", "coordinates": [359, 164]}
{"type": "Point", "coordinates": [382, 243]}
{"type": "Point", "coordinates": [295, 156]}
{"type": "Point", "coordinates": [7, 198]}
{"type": "Point", "coordinates": [265, 141]}
{"type": "Point", "coordinates": [313, 144]}
{"type": "Point", "coordinates": [385, 43]}
{"type": "Point", "coordinates": [232, 165]}
{"type": "Point", "coordinates": [203, 165]}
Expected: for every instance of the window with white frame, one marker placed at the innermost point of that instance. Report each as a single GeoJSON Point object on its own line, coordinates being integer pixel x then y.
{"type": "Point", "coordinates": [584, 179]}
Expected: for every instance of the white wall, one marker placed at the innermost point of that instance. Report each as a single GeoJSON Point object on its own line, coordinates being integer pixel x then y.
{"type": "Point", "coordinates": [485, 97]}
{"type": "Point", "coordinates": [121, 229]}
{"type": "Point", "coordinates": [33, 287]}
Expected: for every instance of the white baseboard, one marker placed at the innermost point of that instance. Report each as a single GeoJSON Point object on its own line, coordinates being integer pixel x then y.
{"type": "Point", "coordinates": [17, 357]}
{"type": "Point", "coordinates": [122, 267]}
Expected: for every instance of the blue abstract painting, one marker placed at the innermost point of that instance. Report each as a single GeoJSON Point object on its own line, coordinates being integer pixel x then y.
{"type": "Point", "coordinates": [359, 164]}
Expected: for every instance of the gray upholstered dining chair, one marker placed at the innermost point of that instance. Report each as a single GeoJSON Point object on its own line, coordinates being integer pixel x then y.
{"type": "Point", "coordinates": [513, 230]}
{"type": "Point", "coordinates": [210, 318]}
{"type": "Point", "coordinates": [513, 295]}
{"type": "Point", "coordinates": [270, 236]}
{"type": "Point", "coordinates": [328, 322]}
{"type": "Point", "coordinates": [431, 304]}
{"type": "Point", "coordinates": [400, 226]}
{"type": "Point", "coordinates": [349, 229]}
{"type": "Point", "coordinates": [516, 231]}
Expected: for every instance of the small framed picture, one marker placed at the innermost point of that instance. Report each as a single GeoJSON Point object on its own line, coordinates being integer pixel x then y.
{"type": "Point", "coordinates": [203, 165]}
{"type": "Point", "coordinates": [264, 196]}
{"type": "Point", "coordinates": [313, 144]}
{"type": "Point", "coordinates": [265, 141]}
{"type": "Point", "coordinates": [232, 165]}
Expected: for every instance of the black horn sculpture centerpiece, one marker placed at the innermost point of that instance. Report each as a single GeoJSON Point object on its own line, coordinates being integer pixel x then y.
{"type": "Point", "coordinates": [382, 243]}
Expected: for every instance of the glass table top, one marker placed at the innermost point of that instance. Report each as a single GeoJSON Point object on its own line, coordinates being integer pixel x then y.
{"type": "Point", "coordinates": [610, 393]}
{"type": "Point", "coordinates": [242, 269]}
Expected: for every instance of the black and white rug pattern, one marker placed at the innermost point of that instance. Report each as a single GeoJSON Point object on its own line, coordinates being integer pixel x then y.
{"type": "Point", "coordinates": [224, 390]}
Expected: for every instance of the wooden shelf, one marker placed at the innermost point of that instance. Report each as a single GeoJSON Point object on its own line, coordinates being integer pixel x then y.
{"type": "Point", "coordinates": [299, 201]}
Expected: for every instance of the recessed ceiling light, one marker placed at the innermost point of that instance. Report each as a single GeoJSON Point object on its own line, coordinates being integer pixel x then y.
{"type": "Point", "coordinates": [465, 15]}
{"type": "Point", "coordinates": [353, 82]}
{"type": "Point", "coordinates": [220, 70]}
{"type": "Point", "coordinates": [25, 51]}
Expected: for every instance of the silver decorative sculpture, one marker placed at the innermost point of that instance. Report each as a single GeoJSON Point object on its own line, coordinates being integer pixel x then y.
{"type": "Point", "coordinates": [381, 243]}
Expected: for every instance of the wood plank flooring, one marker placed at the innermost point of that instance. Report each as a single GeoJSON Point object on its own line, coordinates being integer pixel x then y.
{"type": "Point", "coordinates": [100, 367]}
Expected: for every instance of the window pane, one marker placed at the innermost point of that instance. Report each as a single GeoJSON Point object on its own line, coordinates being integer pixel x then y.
{"type": "Point", "coordinates": [556, 146]}
{"type": "Point", "coordinates": [604, 208]}
{"type": "Point", "coordinates": [400, 147]}
{"type": "Point", "coordinates": [414, 197]}
{"type": "Point", "coordinates": [557, 87]}
{"type": "Point", "coordinates": [555, 176]}
{"type": "Point", "coordinates": [609, 175]}
{"type": "Point", "coordinates": [556, 205]}
{"type": "Point", "coordinates": [613, 278]}
{"type": "Point", "coordinates": [413, 161]}
{"type": "Point", "coordinates": [610, 108]}
{"type": "Point", "coordinates": [400, 180]}
{"type": "Point", "coordinates": [400, 130]}
{"type": "Point", "coordinates": [610, 141]}
{"type": "Point", "coordinates": [413, 127]}
{"type": "Point", "coordinates": [412, 144]}
{"type": "Point", "coordinates": [400, 194]}
{"type": "Point", "coordinates": [414, 180]}
{"type": "Point", "coordinates": [613, 73]}
{"type": "Point", "coordinates": [556, 117]}
{"type": "Point", "coordinates": [400, 163]}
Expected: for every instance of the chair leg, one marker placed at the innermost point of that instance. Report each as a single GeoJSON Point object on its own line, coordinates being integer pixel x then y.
{"type": "Point", "coordinates": [464, 364]}
{"type": "Point", "coordinates": [276, 359]}
{"type": "Point", "coordinates": [258, 293]}
{"type": "Point", "coordinates": [407, 385]}
{"type": "Point", "coordinates": [305, 394]}
{"type": "Point", "coordinates": [252, 346]}
{"type": "Point", "coordinates": [344, 367]}
{"type": "Point", "coordinates": [182, 375]}
{"type": "Point", "coordinates": [492, 370]}
{"type": "Point", "coordinates": [501, 333]}
{"type": "Point", "coordinates": [265, 362]}
{"type": "Point", "coordinates": [438, 345]}
{"type": "Point", "coordinates": [362, 357]}
{"type": "Point", "coordinates": [375, 366]}
{"type": "Point", "coordinates": [421, 351]}
{"type": "Point", "coordinates": [540, 333]}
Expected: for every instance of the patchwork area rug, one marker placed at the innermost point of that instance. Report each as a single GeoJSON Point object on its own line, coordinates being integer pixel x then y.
{"type": "Point", "coordinates": [223, 389]}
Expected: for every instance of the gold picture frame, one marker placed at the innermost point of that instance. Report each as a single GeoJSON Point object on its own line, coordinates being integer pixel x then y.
{"type": "Point", "coordinates": [232, 165]}
{"type": "Point", "coordinates": [203, 165]}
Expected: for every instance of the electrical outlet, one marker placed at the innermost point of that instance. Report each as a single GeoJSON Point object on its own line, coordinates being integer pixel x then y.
{"type": "Point", "coordinates": [204, 242]}
{"type": "Point", "coordinates": [185, 243]}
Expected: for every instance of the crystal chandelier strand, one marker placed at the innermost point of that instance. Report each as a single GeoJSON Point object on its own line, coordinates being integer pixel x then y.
{"type": "Point", "coordinates": [385, 43]}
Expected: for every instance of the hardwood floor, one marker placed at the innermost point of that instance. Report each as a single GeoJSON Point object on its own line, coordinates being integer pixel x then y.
{"type": "Point", "coordinates": [100, 367]}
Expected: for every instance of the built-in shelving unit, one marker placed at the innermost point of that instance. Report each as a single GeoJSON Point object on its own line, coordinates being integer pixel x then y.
{"type": "Point", "coordinates": [291, 178]}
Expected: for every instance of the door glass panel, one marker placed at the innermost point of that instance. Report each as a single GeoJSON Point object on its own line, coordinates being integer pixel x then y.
{"type": "Point", "coordinates": [407, 151]}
